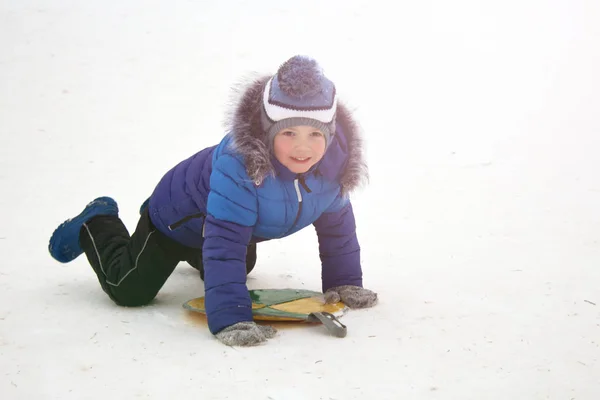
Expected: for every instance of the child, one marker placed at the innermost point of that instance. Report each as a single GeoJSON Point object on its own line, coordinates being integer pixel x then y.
{"type": "Point", "coordinates": [290, 159]}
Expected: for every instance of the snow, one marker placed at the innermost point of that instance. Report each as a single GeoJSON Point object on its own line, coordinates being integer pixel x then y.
{"type": "Point", "coordinates": [480, 227]}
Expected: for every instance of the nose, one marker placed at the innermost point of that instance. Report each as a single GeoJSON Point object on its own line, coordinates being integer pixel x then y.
{"type": "Point", "coordinates": [302, 140]}
{"type": "Point", "coordinates": [302, 148]}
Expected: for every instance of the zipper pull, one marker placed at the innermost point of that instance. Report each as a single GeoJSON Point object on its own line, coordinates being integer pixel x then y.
{"type": "Point", "coordinates": [303, 183]}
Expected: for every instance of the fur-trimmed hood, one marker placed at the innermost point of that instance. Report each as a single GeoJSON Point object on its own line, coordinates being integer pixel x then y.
{"type": "Point", "coordinates": [244, 122]}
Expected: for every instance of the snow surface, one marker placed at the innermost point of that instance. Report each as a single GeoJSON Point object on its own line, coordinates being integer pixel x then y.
{"type": "Point", "coordinates": [480, 227]}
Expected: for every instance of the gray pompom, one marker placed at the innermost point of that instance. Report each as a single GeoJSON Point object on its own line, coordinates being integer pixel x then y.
{"type": "Point", "coordinates": [299, 77]}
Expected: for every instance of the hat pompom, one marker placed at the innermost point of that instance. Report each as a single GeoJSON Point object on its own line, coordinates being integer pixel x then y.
{"type": "Point", "coordinates": [300, 77]}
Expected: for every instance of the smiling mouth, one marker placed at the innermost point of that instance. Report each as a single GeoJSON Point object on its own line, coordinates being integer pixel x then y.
{"type": "Point", "coordinates": [301, 159]}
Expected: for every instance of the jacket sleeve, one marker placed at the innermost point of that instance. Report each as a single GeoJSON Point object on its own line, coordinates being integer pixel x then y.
{"type": "Point", "coordinates": [231, 215]}
{"type": "Point", "coordinates": [338, 246]}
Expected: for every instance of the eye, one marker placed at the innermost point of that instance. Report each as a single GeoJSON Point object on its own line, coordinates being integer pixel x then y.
{"type": "Point", "coordinates": [288, 133]}
{"type": "Point", "coordinates": [317, 134]}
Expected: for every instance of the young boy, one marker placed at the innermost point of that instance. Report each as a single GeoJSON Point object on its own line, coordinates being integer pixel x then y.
{"type": "Point", "coordinates": [290, 159]}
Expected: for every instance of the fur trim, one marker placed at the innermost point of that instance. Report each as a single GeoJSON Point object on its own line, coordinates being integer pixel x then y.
{"type": "Point", "coordinates": [249, 140]}
{"type": "Point", "coordinates": [356, 172]}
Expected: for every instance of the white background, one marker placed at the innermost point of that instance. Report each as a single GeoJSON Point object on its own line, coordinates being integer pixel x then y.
{"type": "Point", "coordinates": [479, 229]}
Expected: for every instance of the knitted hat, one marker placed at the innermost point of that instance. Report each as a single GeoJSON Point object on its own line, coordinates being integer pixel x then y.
{"type": "Point", "coordinates": [299, 94]}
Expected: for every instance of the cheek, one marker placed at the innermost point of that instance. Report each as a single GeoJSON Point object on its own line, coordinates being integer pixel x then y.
{"type": "Point", "coordinates": [281, 147]}
{"type": "Point", "coordinates": [319, 146]}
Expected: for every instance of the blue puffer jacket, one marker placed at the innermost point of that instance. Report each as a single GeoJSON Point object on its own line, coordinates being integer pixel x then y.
{"type": "Point", "coordinates": [211, 201]}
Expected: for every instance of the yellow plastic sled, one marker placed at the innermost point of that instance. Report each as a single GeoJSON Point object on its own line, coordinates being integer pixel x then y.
{"type": "Point", "coordinates": [294, 305]}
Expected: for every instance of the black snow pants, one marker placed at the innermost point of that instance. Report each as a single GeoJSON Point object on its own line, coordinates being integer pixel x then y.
{"type": "Point", "coordinates": [133, 269]}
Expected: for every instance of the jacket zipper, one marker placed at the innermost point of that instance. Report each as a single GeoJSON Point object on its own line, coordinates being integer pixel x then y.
{"type": "Point", "coordinates": [182, 221]}
{"type": "Point", "coordinates": [299, 181]}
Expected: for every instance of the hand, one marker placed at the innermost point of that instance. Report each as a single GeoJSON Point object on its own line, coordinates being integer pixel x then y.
{"type": "Point", "coordinates": [352, 296]}
{"type": "Point", "coordinates": [246, 333]}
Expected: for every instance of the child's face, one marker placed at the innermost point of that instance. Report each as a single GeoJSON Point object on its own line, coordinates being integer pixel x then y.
{"type": "Point", "coordinates": [299, 147]}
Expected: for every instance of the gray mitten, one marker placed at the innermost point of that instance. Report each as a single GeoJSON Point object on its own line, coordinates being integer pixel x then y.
{"type": "Point", "coordinates": [352, 296]}
{"type": "Point", "coordinates": [246, 333]}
